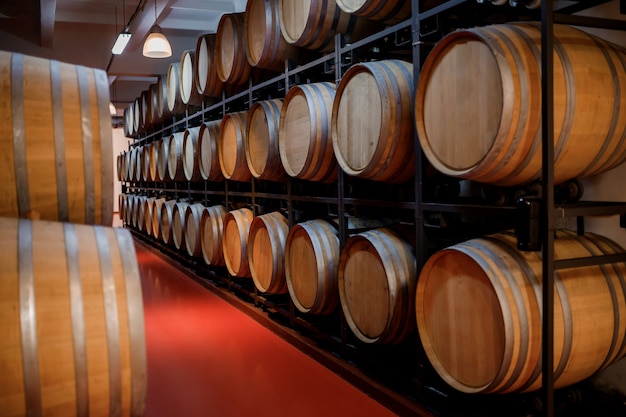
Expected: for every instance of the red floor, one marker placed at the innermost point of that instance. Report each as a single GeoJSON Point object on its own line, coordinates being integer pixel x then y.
{"type": "Point", "coordinates": [207, 358]}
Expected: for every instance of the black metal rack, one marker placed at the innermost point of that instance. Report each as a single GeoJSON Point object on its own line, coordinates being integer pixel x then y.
{"type": "Point", "coordinates": [414, 207]}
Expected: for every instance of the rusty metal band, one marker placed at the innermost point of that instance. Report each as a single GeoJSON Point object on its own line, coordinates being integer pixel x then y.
{"type": "Point", "coordinates": [135, 322]}
{"type": "Point", "coordinates": [28, 320]}
{"type": "Point", "coordinates": [106, 146]}
{"type": "Point", "coordinates": [59, 140]}
{"type": "Point", "coordinates": [78, 319]}
{"type": "Point", "coordinates": [87, 135]}
{"type": "Point", "coordinates": [112, 321]}
{"type": "Point", "coordinates": [19, 134]}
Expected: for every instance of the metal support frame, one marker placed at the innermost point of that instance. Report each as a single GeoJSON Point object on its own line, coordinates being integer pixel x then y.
{"type": "Point", "coordinates": [331, 64]}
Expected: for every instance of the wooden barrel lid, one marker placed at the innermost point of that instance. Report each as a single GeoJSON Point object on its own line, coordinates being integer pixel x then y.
{"type": "Point", "coordinates": [461, 114]}
{"type": "Point", "coordinates": [358, 121]}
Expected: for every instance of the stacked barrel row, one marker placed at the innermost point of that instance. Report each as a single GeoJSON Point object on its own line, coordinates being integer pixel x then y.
{"type": "Point", "coordinates": [477, 113]}
{"type": "Point", "coordinates": [71, 310]}
{"type": "Point", "coordinates": [306, 135]}
{"type": "Point", "coordinates": [373, 277]}
{"type": "Point", "coordinates": [253, 44]}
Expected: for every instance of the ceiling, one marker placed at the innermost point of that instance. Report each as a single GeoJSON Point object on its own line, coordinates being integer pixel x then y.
{"type": "Point", "coordinates": [82, 32]}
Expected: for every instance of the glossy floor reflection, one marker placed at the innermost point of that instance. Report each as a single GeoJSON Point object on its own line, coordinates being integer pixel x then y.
{"type": "Point", "coordinates": [207, 358]}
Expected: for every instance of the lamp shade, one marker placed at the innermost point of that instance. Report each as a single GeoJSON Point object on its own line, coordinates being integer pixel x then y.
{"type": "Point", "coordinates": [156, 44]}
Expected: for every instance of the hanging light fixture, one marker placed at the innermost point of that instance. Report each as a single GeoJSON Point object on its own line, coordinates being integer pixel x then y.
{"type": "Point", "coordinates": [156, 44]}
{"type": "Point", "coordinates": [123, 37]}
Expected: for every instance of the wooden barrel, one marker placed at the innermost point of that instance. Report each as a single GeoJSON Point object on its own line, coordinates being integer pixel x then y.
{"type": "Point", "coordinates": [375, 141]}
{"type": "Point", "coordinates": [230, 51]}
{"type": "Point", "coordinates": [128, 121]}
{"type": "Point", "coordinates": [175, 157]}
{"type": "Point", "coordinates": [163, 158]}
{"type": "Point", "coordinates": [209, 160]}
{"type": "Point", "coordinates": [119, 165]}
{"type": "Point", "coordinates": [56, 141]}
{"type": "Point", "coordinates": [145, 167]}
{"type": "Point", "coordinates": [137, 122]}
{"type": "Point", "coordinates": [265, 45]}
{"type": "Point", "coordinates": [377, 278]}
{"type": "Point", "coordinates": [311, 265]}
{"type": "Point", "coordinates": [148, 208]}
{"type": "Point", "coordinates": [163, 112]}
{"type": "Point", "coordinates": [304, 139]}
{"type": "Point", "coordinates": [132, 163]}
{"type": "Point", "coordinates": [266, 252]}
{"type": "Point", "coordinates": [175, 103]}
{"type": "Point", "coordinates": [139, 163]}
{"type": "Point", "coordinates": [145, 121]}
{"type": "Point", "coordinates": [121, 204]}
{"type": "Point", "coordinates": [178, 224]}
{"type": "Point", "coordinates": [493, 135]}
{"type": "Point", "coordinates": [155, 118]}
{"type": "Point", "coordinates": [211, 231]}
{"type": "Point", "coordinates": [130, 201]}
{"type": "Point", "coordinates": [127, 156]}
{"type": "Point", "coordinates": [154, 161]}
{"type": "Point", "coordinates": [314, 24]}
{"type": "Point", "coordinates": [138, 220]}
{"type": "Point", "coordinates": [193, 216]}
{"type": "Point", "coordinates": [235, 241]}
{"type": "Point", "coordinates": [188, 90]}
{"type": "Point", "coordinates": [262, 151]}
{"type": "Point", "coordinates": [157, 212]}
{"type": "Point", "coordinates": [231, 147]}
{"type": "Point", "coordinates": [166, 219]}
{"type": "Point", "coordinates": [208, 83]}
{"type": "Point", "coordinates": [487, 296]}
{"type": "Point", "coordinates": [190, 155]}
{"type": "Point", "coordinates": [72, 320]}
{"type": "Point", "coordinates": [388, 11]}
{"type": "Point", "coordinates": [144, 221]}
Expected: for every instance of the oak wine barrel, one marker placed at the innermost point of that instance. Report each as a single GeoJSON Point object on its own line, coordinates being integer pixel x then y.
{"type": "Point", "coordinates": [388, 11]}
{"type": "Point", "coordinates": [211, 231]}
{"type": "Point", "coordinates": [266, 252]}
{"type": "Point", "coordinates": [72, 320]}
{"type": "Point", "coordinates": [208, 83]}
{"type": "Point", "coordinates": [188, 91]}
{"type": "Point", "coordinates": [231, 147]}
{"type": "Point", "coordinates": [262, 149]}
{"type": "Point", "coordinates": [175, 103]}
{"type": "Point", "coordinates": [209, 160]}
{"type": "Point", "coordinates": [157, 213]}
{"type": "Point", "coordinates": [311, 266]}
{"type": "Point", "coordinates": [163, 158]}
{"type": "Point", "coordinates": [493, 135]}
{"type": "Point", "coordinates": [163, 112]}
{"type": "Point", "coordinates": [377, 279]}
{"type": "Point", "coordinates": [166, 220]}
{"type": "Point", "coordinates": [231, 61]}
{"type": "Point", "coordinates": [175, 157]}
{"type": "Point", "coordinates": [235, 241]}
{"type": "Point", "coordinates": [375, 141]}
{"type": "Point", "coordinates": [55, 136]}
{"type": "Point", "coordinates": [304, 139]}
{"type": "Point", "coordinates": [487, 296]}
{"type": "Point", "coordinates": [265, 45]}
{"type": "Point", "coordinates": [190, 154]}
{"type": "Point", "coordinates": [314, 24]}
{"type": "Point", "coordinates": [193, 216]}
{"type": "Point", "coordinates": [178, 224]}
{"type": "Point", "coordinates": [154, 160]}
{"type": "Point", "coordinates": [145, 167]}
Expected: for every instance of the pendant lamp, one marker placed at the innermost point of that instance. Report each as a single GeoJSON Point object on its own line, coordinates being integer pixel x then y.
{"type": "Point", "coordinates": [156, 44]}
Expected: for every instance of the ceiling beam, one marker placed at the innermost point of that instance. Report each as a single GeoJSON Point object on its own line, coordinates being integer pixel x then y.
{"type": "Point", "coordinates": [47, 9]}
